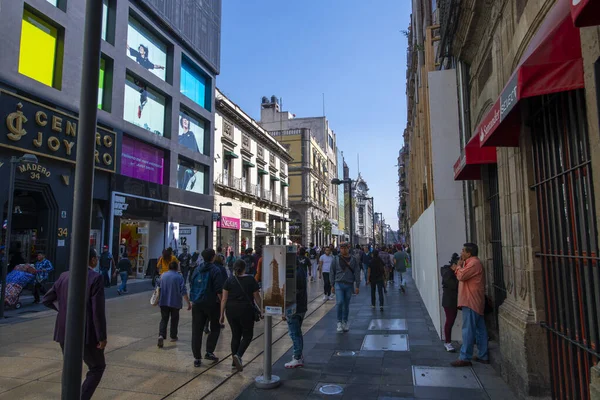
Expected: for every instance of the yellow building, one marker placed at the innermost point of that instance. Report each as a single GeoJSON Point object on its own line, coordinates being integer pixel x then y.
{"type": "Point", "coordinates": [309, 187]}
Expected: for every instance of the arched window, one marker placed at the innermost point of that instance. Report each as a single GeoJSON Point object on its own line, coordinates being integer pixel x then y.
{"type": "Point", "coordinates": [361, 215]}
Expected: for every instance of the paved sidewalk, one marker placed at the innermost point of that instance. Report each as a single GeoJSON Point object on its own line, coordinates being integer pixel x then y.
{"type": "Point", "coordinates": [380, 374]}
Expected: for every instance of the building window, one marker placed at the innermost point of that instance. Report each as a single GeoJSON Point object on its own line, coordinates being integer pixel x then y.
{"type": "Point", "coordinates": [194, 84]}
{"type": "Point", "coordinates": [361, 215]}
{"type": "Point", "coordinates": [146, 49]}
{"type": "Point", "coordinates": [105, 84]}
{"type": "Point", "coordinates": [331, 142]}
{"type": "Point", "coordinates": [40, 55]}
{"type": "Point", "coordinates": [260, 216]}
{"type": "Point", "coordinates": [143, 106]}
{"type": "Point", "coordinates": [192, 177]}
{"type": "Point", "coordinates": [246, 213]}
{"type": "Point", "coordinates": [104, 18]}
{"type": "Point", "coordinates": [191, 132]}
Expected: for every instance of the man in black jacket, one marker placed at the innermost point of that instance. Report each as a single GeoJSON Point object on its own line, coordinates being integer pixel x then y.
{"type": "Point", "coordinates": [295, 320]}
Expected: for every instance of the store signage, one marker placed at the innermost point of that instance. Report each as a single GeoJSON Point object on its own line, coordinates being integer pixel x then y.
{"type": "Point", "coordinates": [142, 231]}
{"type": "Point", "coordinates": [228, 223]}
{"type": "Point", "coordinates": [460, 164]}
{"type": "Point", "coordinates": [509, 98]}
{"type": "Point", "coordinates": [34, 171]}
{"type": "Point", "coordinates": [490, 123]}
{"type": "Point", "coordinates": [35, 128]}
{"type": "Point", "coordinates": [188, 237]}
{"type": "Point", "coordinates": [119, 205]}
{"type": "Point", "coordinates": [247, 225]}
{"type": "Point", "coordinates": [261, 228]}
{"type": "Point", "coordinates": [215, 216]}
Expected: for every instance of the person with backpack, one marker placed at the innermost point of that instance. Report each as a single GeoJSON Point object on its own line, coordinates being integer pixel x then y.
{"type": "Point", "coordinates": [295, 320]}
{"type": "Point", "coordinates": [346, 277]}
{"type": "Point", "coordinates": [249, 260]}
{"type": "Point", "coordinates": [314, 261]}
{"type": "Point", "coordinates": [400, 262]}
{"type": "Point", "coordinates": [206, 288]}
{"type": "Point", "coordinates": [172, 290]}
{"type": "Point", "coordinates": [106, 263]}
{"type": "Point", "coordinates": [375, 278]}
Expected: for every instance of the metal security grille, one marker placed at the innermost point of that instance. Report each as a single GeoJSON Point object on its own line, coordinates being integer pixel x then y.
{"type": "Point", "coordinates": [569, 243]}
{"type": "Point", "coordinates": [496, 241]}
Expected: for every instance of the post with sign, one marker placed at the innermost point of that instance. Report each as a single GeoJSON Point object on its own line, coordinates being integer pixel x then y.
{"type": "Point", "coordinates": [274, 284]}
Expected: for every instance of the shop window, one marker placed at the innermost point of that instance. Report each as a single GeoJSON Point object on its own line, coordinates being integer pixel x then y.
{"type": "Point", "coordinates": [40, 53]}
{"type": "Point", "coordinates": [192, 177]}
{"type": "Point", "coordinates": [260, 216]}
{"type": "Point", "coordinates": [108, 21]}
{"type": "Point", "coordinates": [246, 213]}
{"type": "Point", "coordinates": [142, 161]}
{"type": "Point", "coordinates": [191, 132]}
{"type": "Point", "coordinates": [195, 85]}
{"type": "Point", "coordinates": [144, 106]}
{"type": "Point", "coordinates": [146, 49]}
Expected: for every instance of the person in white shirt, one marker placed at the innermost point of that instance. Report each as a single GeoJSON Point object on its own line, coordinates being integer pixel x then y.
{"type": "Point", "coordinates": [324, 269]}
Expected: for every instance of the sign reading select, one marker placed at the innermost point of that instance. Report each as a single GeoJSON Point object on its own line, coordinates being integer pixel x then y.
{"type": "Point", "coordinates": [142, 161]}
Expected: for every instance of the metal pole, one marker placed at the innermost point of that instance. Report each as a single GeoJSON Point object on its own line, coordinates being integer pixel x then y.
{"type": "Point", "coordinates": [82, 203]}
{"type": "Point", "coordinates": [11, 191]}
{"type": "Point", "coordinates": [220, 223]}
{"type": "Point", "coordinates": [351, 218]}
{"type": "Point", "coordinates": [267, 380]}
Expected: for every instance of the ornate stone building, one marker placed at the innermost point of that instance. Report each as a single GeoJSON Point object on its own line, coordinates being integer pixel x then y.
{"type": "Point", "coordinates": [363, 212]}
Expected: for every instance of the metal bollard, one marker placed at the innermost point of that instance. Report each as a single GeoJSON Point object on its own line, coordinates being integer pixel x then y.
{"type": "Point", "coordinates": [267, 380]}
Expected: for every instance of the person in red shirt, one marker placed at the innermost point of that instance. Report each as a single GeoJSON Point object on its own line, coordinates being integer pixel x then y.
{"type": "Point", "coordinates": [471, 300]}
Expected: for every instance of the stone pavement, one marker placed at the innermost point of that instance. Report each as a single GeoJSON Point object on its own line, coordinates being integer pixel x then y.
{"type": "Point", "coordinates": [338, 359]}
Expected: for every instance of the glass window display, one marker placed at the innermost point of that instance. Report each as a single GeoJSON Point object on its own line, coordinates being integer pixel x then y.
{"type": "Point", "coordinates": [191, 177]}
{"type": "Point", "coordinates": [191, 132]}
{"type": "Point", "coordinates": [143, 106]}
{"type": "Point", "coordinates": [145, 49]}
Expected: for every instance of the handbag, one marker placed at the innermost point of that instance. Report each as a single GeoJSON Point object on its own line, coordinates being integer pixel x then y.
{"type": "Point", "coordinates": [155, 296]}
{"type": "Point", "coordinates": [257, 312]}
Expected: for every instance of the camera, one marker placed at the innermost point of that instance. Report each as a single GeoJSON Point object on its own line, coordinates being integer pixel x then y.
{"type": "Point", "coordinates": [454, 259]}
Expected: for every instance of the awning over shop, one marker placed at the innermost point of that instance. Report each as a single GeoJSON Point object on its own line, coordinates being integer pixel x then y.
{"type": "Point", "coordinates": [263, 172]}
{"type": "Point", "coordinates": [230, 154]}
{"type": "Point", "coordinates": [468, 165]}
{"type": "Point", "coordinates": [585, 12]}
{"type": "Point", "coordinates": [274, 178]}
{"type": "Point", "coordinates": [551, 63]}
{"type": "Point", "coordinates": [249, 164]}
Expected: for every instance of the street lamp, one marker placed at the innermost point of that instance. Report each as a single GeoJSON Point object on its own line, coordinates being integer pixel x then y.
{"type": "Point", "coordinates": [27, 158]}
{"type": "Point", "coordinates": [373, 207]}
{"type": "Point", "coordinates": [338, 182]}
{"type": "Point", "coordinates": [221, 205]}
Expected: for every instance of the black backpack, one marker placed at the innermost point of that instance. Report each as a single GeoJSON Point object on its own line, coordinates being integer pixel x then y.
{"type": "Point", "coordinates": [313, 254]}
{"type": "Point", "coordinates": [250, 267]}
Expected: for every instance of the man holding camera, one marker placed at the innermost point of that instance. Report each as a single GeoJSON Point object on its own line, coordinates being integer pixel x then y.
{"type": "Point", "coordinates": [471, 300]}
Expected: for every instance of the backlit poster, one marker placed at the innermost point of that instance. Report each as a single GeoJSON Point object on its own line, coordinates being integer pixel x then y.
{"type": "Point", "coordinates": [143, 106]}
{"type": "Point", "coordinates": [273, 279]}
{"type": "Point", "coordinates": [190, 178]}
{"type": "Point", "coordinates": [191, 132]}
{"type": "Point", "coordinates": [142, 161]}
{"type": "Point", "coordinates": [145, 49]}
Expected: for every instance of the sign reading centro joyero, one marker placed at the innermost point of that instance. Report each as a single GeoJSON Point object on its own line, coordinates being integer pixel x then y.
{"type": "Point", "coordinates": [35, 128]}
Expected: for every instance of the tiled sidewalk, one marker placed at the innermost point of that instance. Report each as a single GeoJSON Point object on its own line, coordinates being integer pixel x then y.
{"type": "Point", "coordinates": [379, 374]}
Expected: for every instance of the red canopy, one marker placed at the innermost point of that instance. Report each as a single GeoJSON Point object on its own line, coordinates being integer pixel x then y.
{"type": "Point", "coordinates": [468, 165]}
{"type": "Point", "coordinates": [552, 63]}
{"type": "Point", "coordinates": [585, 12]}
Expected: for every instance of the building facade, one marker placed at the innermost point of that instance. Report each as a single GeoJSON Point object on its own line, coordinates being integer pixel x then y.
{"type": "Point", "coordinates": [403, 193]}
{"type": "Point", "coordinates": [251, 172]}
{"type": "Point", "coordinates": [363, 212]}
{"type": "Point", "coordinates": [153, 176]}
{"type": "Point", "coordinates": [524, 77]}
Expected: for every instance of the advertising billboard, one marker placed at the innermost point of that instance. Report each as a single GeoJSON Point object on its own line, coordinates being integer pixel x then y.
{"type": "Point", "coordinates": [142, 161]}
{"type": "Point", "coordinates": [143, 106]}
{"type": "Point", "coordinates": [191, 132]}
{"type": "Point", "coordinates": [145, 49]}
{"type": "Point", "coordinates": [274, 279]}
{"type": "Point", "coordinates": [190, 177]}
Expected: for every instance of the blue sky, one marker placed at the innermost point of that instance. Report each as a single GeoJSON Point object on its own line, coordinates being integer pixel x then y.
{"type": "Point", "coordinates": [351, 50]}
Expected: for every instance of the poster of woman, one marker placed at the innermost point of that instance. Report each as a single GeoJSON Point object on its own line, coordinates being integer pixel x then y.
{"type": "Point", "coordinates": [191, 133]}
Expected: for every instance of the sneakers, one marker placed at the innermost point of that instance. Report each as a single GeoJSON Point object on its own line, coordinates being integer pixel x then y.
{"type": "Point", "coordinates": [211, 357]}
{"type": "Point", "coordinates": [295, 363]}
{"type": "Point", "coordinates": [197, 363]}
{"type": "Point", "coordinates": [237, 361]}
{"type": "Point", "coordinates": [345, 327]}
{"type": "Point", "coordinates": [373, 307]}
{"type": "Point", "coordinates": [331, 297]}
{"type": "Point", "coordinates": [161, 342]}
{"type": "Point", "coordinates": [449, 347]}
{"type": "Point", "coordinates": [340, 328]}
{"type": "Point", "coordinates": [139, 112]}
{"type": "Point", "coordinates": [118, 292]}
{"type": "Point", "coordinates": [325, 297]}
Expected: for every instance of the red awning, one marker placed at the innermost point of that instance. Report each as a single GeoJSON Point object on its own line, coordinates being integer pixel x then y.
{"type": "Point", "coordinates": [552, 63]}
{"type": "Point", "coordinates": [468, 165]}
{"type": "Point", "coordinates": [585, 12]}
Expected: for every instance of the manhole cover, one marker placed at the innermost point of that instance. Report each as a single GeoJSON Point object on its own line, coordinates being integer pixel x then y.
{"type": "Point", "coordinates": [331, 389]}
{"type": "Point", "coordinates": [387, 325]}
{"type": "Point", "coordinates": [463, 378]}
{"type": "Point", "coordinates": [345, 353]}
{"type": "Point", "coordinates": [386, 342]}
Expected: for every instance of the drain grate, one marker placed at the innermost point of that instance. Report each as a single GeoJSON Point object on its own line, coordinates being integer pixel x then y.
{"type": "Point", "coordinates": [463, 378]}
{"type": "Point", "coordinates": [345, 353]}
{"type": "Point", "coordinates": [387, 325]}
{"type": "Point", "coordinates": [397, 342]}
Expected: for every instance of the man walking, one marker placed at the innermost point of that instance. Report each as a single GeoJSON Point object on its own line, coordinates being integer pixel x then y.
{"type": "Point", "coordinates": [43, 267]}
{"type": "Point", "coordinates": [124, 266]}
{"type": "Point", "coordinates": [295, 320]}
{"type": "Point", "coordinates": [471, 300]}
{"type": "Point", "coordinates": [206, 289]}
{"type": "Point", "coordinates": [95, 322]}
{"type": "Point", "coordinates": [185, 262]}
{"type": "Point", "coordinates": [400, 261]}
{"type": "Point", "coordinates": [172, 291]}
{"type": "Point", "coordinates": [366, 262]}
{"type": "Point", "coordinates": [106, 262]}
{"type": "Point", "coordinates": [346, 277]}
{"type": "Point", "coordinates": [324, 270]}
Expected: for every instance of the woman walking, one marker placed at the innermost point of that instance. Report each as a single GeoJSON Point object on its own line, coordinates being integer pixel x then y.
{"type": "Point", "coordinates": [449, 300]}
{"type": "Point", "coordinates": [346, 277]}
{"type": "Point", "coordinates": [172, 290]}
{"type": "Point", "coordinates": [375, 277]}
{"type": "Point", "coordinates": [240, 294]}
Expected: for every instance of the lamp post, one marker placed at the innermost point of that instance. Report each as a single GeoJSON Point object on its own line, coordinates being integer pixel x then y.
{"type": "Point", "coordinates": [373, 207]}
{"type": "Point", "coordinates": [221, 205]}
{"type": "Point", "coordinates": [28, 158]}
{"type": "Point", "coordinates": [337, 181]}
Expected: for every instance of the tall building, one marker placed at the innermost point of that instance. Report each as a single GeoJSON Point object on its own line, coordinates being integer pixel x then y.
{"type": "Point", "coordinates": [363, 212]}
{"type": "Point", "coordinates": [403, 194]}
{"type": "Point", "coordinates": [154, 162]}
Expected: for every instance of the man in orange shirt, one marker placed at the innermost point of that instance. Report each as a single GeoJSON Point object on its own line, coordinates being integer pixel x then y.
{"type": "Point", "coordinates": [471, 300]}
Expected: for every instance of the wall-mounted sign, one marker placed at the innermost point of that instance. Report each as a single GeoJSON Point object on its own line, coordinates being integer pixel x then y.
{"type": "Point", "coordinates": [229, 223]}
{"type": "Point", "coordinates": [119, 205]}
{"type": "Point", "coordinates": [142, 231]}
{"type": "Point", "coordinates": [38, 129]}
{"type": "Point", "coordinates": [34, 171]}
{"type": "Point", "coordinates": [63, 214]}
{"type": "Point", "coordinates": [247, 225]}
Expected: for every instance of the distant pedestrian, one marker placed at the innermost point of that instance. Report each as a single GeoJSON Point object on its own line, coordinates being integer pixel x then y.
{"type": "Point", "coordinates": [231, 259]}
{"type": "Point", "coordinates": [172, 291]}
{"type": "Point", "coordinates": [295, 320]}
{"type": "Point", "coordinates": [124, 266]}
{"type": "Point", "coordinates": [325, 271]}
{"type": "Point", "coordinates": [449, 300]}
{"type": "Point", "coordinates": [314, 261]}
{"type": "Point", "coordinates": [400, 263]}
{"type": "Point", "coordinates": [346, 277]}
{"type": "Point", "coordinates": [206, 289]}
{"type": "Point", "coordinates": [304, 261]}
{"type": "Point", "coordinates": [366, 262]}
{"type": "Point", "coordinates": [106, 263]}
{"type": "Point", "coordinates": [471, 300]}
{"type": "Point", "coordinates": [375, 278]}
{"type": "Point", "coordinates": [240, 294]}
{"type": "Point", "coordinates": [95, 322]}
{"type": "Point", "coordinates": [250, 263]}
{"type": "Point", "coordinates": [164, 262]}
{"type": "Point", "coordinates": [185, 263]}
{"type": "Point", "coordinates": [43, 267]}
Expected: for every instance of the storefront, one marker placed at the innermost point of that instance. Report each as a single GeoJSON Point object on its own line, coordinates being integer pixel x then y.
{"type": "Point", "coordinates": [228, 231]}
{"type": "Point", "coordinates": [246, 234]}
{"type": "Point", "coordinates": [43, 196]}
{"type": "Point", "coordinates": [261, 234]}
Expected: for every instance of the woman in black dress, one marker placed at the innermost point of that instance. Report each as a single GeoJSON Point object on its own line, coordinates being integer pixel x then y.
{"type": "Point", "coordinates": [449, 300]}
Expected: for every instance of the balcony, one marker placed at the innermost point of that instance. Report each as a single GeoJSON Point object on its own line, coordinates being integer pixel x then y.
{"type": "Point", "coordinates": [230, 181]}
{"type": "Point", "coordinates": [266, 194]}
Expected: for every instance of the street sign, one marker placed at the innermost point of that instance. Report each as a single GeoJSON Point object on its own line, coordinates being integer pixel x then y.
{"type": "Point", "coordinates": [215, 216]}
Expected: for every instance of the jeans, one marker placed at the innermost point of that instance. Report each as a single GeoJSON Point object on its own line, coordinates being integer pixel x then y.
{"type": "Point", "coordinates": [474, 330]}
{"type": "Point", "coordinates": [200, 316]}
{"type": "Point", "coordinates": [241, 321]}
{"type": "Point", "coordinates": [165, 313]}
{"type": "Point", "coordinates": [313, 269]}
{"type": "Point", "coordinates": [124, 276]}
{"type": "Point", "coordinates": [391, 276]}
{"type": "Point", "coordinates": [295, 330]}
{"type": "Point", "coordinates": [379, 286]}
{"type": "Point", "coordinates": [326, 284]}
{"type": "Point", "coordinates": [450, 318]}
{"type": "Point", "coordinates": [93, 358]}
{"type": "Point", "coordinates": [343, 294]}
{"type": "Point", "coordinates": [106, 277]}
{"type": "Point", "coordinates": [365, 270]}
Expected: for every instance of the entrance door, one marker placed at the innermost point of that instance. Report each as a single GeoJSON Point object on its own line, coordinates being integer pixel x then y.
{"type": "Point", "coordinates": [569, 245]}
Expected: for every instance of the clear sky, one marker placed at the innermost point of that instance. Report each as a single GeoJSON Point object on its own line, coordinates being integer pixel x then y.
{"type": "Point", "coordinates": [351, 50]}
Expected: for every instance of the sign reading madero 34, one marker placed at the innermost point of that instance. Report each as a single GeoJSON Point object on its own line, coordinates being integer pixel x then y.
{"type": "Point", "coordinates": [35, 128]}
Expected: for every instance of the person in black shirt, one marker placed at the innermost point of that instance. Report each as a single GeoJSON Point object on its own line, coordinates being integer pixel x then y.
{"type": "Point", "coordinates": [375, 278]}
{"type": "Point", "coordinates": [185, 261]}
{"type": "Point", "coordinates": [295, 320]}
{"type": "Point", "coordinates": [124, 267]}
{"type": "Point", "coordinates": [187, 137]}
{"type": "Point", "coordinates": [303, 261]}
{"type": "Point", "coordinates": [239, 291]}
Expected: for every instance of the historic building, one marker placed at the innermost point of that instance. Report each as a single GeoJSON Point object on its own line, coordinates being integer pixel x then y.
{"type": "Point", "coordinates": [251, 173]}
{"type": "Point", "coordinates": [154, 159]}
{"type": "Point", "coordinates": [364, 227]}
